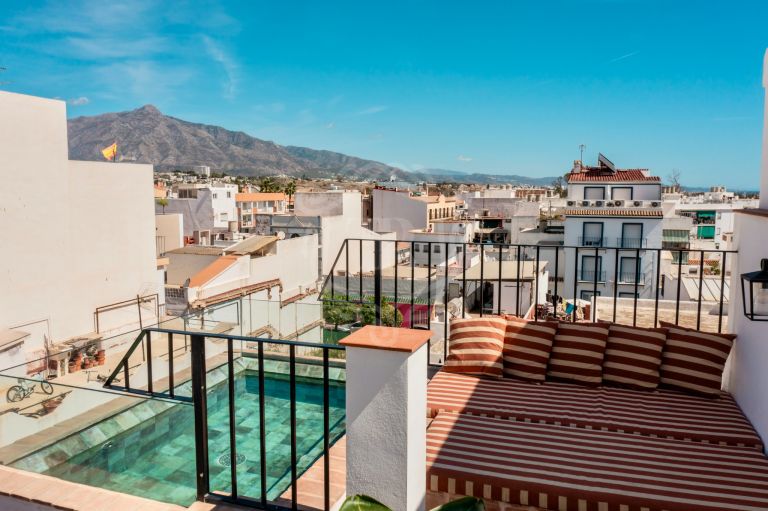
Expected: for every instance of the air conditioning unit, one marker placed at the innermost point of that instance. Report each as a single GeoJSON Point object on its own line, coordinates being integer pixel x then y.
{"type": "Point", "coordinates": [655, 204]}
{"type": "Point", "coordinates": [618, 203]}
{"type": "Point", "coordinates": [585, 203]}
{"type": "Point", "coordinates": [638, 203]}
{"type": "Point", "coordinates": [599, 203]}
{"type": "Point", "coordinates": [571, 203]}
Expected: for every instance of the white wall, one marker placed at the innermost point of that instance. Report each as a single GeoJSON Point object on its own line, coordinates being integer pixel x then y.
{"type": "Point", "coordinates": [747, 377]}
{"type": "Point", "coordinates": [397, 212]}
{"type": "Point", "coordinates": [171, 228]}
{"type": "Point", "coordinates": [640, 191]}
{"type": "Point", "coordinates": [224, 204]}
{"type": "Point", "coordinates": [72, 250]}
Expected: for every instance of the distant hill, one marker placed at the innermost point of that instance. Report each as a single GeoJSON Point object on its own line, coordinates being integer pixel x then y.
{"type": "Point", "coordinates": [146, 135]}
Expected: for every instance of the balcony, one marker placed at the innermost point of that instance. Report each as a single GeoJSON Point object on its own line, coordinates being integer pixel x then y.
{"type": "Point", "coordinates": [631, 242]}
{"type": "Point", "coordinates": [592, 241]}
{"type": "Point", "coordinates": [591, 276]}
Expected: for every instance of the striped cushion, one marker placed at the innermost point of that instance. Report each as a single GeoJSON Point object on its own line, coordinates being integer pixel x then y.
{"type": "Point", "coordinates": [660, 412]}
{"type": "Point", "coordinates": [527, 345]}
{"type": "Point", "coordinates": [475, 346]}
{"type": "Point", "coordinates": [693, 361]}
{"type": "Point", "coordinates": [565, 469]}
{"type": "Point", "coordinates": [633, 356]}
{"type": "Point", "coordinates": [577, 353]}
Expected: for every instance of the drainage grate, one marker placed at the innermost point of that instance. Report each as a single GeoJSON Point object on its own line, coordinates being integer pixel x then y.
{"type": "Point", "coordinates": [225, 460]}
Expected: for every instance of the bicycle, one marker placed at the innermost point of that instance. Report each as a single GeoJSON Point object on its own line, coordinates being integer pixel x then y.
{"type": "Point", "coordinates": [25, 389]}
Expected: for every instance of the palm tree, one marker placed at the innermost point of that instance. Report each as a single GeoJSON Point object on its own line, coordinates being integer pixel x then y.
{"type": "Point", "coordinates": [290, 189]}
{"type": "Point", "coordinates": [267, 185]}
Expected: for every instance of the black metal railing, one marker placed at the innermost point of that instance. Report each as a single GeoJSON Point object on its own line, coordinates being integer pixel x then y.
{"type": "Point", "coordinates": [364, 274]}
{"type": "Point", "coordinates": [592, 241]}
{"type": "Point", "coordinates": [194, 376]}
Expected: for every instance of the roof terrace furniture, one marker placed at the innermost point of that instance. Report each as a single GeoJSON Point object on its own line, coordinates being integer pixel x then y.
{"type": "Point", "coordinates": [560, 445]}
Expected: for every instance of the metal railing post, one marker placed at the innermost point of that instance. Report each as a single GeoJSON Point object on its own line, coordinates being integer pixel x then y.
{"type": "Point", "coordinates": [201, 415]}
{"type": "Point", "coordinates": [377, 280]}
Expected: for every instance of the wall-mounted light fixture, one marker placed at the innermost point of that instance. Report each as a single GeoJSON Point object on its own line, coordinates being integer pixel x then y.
{"type": "Point", "coordinates": [756, 299]}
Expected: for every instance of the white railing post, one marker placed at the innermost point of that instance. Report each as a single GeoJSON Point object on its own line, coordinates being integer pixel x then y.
{"type": "Point", "coordinates": [386, 415]}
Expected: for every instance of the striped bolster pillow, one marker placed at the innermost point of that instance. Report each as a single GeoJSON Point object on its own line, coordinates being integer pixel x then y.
{"type": "Point", "coordinates": [475, 346]}
{"type": "Point", "coordinates": [527, 345]}
{"type": "Point", "coordinates": [633, 356]}
{"type": "Point", "coordinates": [577, 353]}
{"type": "Point", "coordinates": [693, 361]}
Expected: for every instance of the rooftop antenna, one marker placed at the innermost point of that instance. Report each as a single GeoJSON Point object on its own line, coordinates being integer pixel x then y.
{"type": "Point", "coordinates": [581, 152]}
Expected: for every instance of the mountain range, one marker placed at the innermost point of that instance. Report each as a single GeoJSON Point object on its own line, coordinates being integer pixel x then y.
{"type": "Point", "coordinates": [146, 135]}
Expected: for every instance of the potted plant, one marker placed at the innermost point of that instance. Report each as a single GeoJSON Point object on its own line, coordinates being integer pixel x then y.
{"type": "Point", "coordinates": [366, 503]}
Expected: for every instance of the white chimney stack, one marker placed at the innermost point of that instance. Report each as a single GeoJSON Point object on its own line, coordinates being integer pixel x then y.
{"type": "Point", "coordinates": [764, 165]}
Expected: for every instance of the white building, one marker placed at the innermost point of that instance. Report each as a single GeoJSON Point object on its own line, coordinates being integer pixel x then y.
{"type": "Point", "coordinates": [207, 208]}
{"type": "Point", "coordinates": [401, 211]}
{"type": "Point", "coordinates": [453, 232]}
{"type": "Point", "coordinates": [249, 205]}
{"type": "Point", "coordinates": [262, 266]}
{"type": "Point", "coordinates": [68, 252]}
{"type": "Point", "coordinates": [610, 207]}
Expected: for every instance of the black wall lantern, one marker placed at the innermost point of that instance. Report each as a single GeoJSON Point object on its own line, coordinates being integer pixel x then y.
{"type": "Point", "coordinates": [756, 304]}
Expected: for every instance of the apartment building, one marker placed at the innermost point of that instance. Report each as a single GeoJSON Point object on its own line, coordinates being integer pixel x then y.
{"type": "Point", "coordinates": [88, 257]}
{"type": "Point", "coordinates": [611, 207]}
{"type": "Point", "coordinates": [401, 211]}
{"type": "Point", "coordinates": [208, 209]}
{"type": "Point", "coordinates": [252, 205]}
{"type": "Point", "coordinates": [444, 240]}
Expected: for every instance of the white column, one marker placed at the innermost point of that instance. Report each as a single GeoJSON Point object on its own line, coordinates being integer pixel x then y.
{"type": "Point", "coordinates": [386, 415]}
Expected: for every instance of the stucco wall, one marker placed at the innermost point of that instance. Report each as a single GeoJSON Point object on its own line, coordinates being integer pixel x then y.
{"type": "Point", "coordinates": [67, 251]}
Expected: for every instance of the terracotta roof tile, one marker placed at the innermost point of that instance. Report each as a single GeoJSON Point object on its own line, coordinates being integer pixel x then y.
{"type": "Point", "coordinates": [601, 176]}
{"type": "Point", "coordinates": [212, 270]}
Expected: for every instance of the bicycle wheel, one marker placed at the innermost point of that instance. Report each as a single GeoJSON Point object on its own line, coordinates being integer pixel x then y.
{"type": "Point", "coordinates": [46, 387]}
{"type": "Point", "coordinates": [15, 394]}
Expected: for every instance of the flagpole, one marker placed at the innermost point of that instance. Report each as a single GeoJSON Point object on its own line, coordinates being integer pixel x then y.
{"type": "Point", "coordinates": [114, 158]}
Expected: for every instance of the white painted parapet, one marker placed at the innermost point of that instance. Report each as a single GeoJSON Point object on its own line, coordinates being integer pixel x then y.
{"type": "Point", "coordinates": [386, 415]}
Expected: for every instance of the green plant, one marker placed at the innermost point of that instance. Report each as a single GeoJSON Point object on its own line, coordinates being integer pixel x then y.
{"type": "Point", "coordinates": [365, 503]}
{"type": "Point", "coordinates": [162, 202]}
{"type": "Point", "coordinates": [268, 185]}
{"type": "Point", "coordinates": [290, 189]}
{"type": "Point", "coordinates": [390, 316]}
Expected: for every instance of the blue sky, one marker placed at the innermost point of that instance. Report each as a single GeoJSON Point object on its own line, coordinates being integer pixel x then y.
{"type": "Point", "coordinates": [501, 87]}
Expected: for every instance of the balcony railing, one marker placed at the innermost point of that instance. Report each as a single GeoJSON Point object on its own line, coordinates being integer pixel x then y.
{"type": "Point", "coordinates": [631, 242]}
{"type": "Point", "coordinates": [586, 275]}
{"type": "Point", "coordinates": [592, 241]}
{"type": "Point", "coordinates": [536, 281]}
{"type": "Point", "coordinates": [159, 358]}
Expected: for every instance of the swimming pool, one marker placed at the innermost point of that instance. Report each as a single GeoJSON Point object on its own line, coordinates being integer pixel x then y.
{"type": "Point", "coordinates": [156, 458]}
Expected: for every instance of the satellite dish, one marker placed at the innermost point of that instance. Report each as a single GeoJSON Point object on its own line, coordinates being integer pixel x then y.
{"type": "Point", "coordinates": [280, 235]}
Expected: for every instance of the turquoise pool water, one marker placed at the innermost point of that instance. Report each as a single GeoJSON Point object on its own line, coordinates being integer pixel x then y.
{"type": "Point", "coordinates": [156, 459]}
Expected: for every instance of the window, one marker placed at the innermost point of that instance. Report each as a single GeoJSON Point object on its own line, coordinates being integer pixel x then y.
{"type": "Point", "coordinates": [592, 234]}
{"type": "Point", "coordinates": [416, 248]}
{"type": "Point", "coordinates": [458, 250]}
{"type": "Point", "coordinates": [215, 195]}
{"type": "Point", "coordinates": [229, 195]}
{"type": "Point", "coordinates": [622, 193]}
{"type": "Point", "coordinates": [223, 217]}
{"type": "Point", "coordinates": [629, 295]}
{"type": "Point", "coordinates": [587, 294]}
{"type": "Point", "coordinates": [437, 249]}
{"type": "Point", "coordinates": [628, 270]}
{"type": "Point", "coordinates": [631, 235]}
{"type": "Point", "coordinates": [426, 248]}
{"type": "Point", "coordinates": [588, 270]}
{"type": "Point", "coordinates": [594, 192]}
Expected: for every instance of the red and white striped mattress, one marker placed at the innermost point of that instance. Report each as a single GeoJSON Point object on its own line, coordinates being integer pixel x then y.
{"type": "Point", "coordinates": [662, 413]}
{"type": "Point", "coordinates": [570, 469]}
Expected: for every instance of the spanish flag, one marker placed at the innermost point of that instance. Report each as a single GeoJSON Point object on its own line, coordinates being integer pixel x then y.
{"type": "Point", "coordinates": [110, 153]}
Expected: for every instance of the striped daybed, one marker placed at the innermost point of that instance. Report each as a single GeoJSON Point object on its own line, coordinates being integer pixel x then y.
{"type": "Point", "coordinates": [576, 469]}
